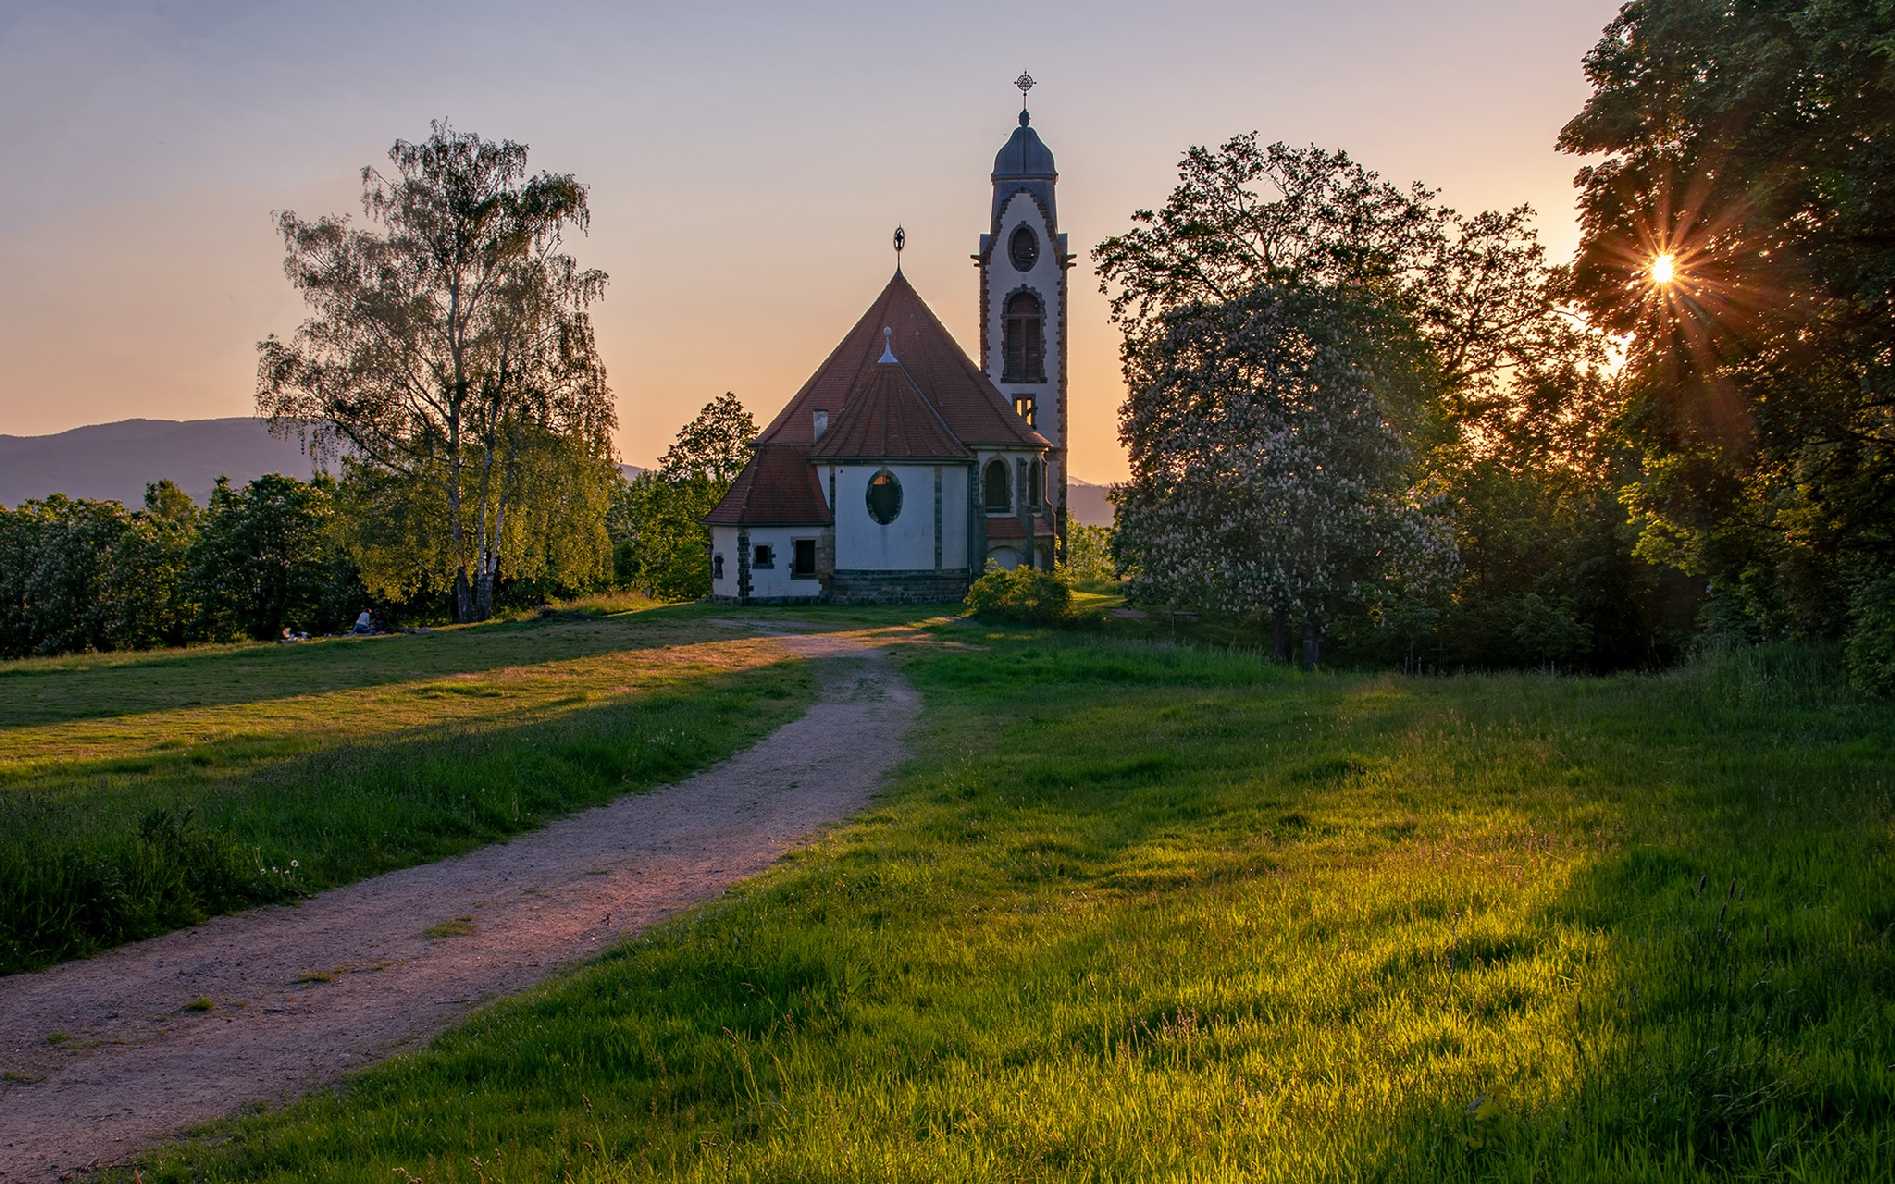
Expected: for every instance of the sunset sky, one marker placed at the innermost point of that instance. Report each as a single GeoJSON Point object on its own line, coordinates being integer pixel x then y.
{"type": "Point", "coordinates": [747, 163]}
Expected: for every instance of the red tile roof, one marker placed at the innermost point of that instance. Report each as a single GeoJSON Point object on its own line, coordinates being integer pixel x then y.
{"type": "Point", "coordinates": [973, 408]}
{"type": "Point", "coordinates": [934, 405]}
{"type": "Point", "coordinates": [888, 418]}
{"type": "Point", "coordinates": [779, 487]}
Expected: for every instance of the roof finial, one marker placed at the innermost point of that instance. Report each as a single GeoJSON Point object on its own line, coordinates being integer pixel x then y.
{"type": "Point", "coordinates": [888, 346]}
{"type": "Point", "coordinates": [1025, 83]}
{"type": "Point", "coordinates": [901, 240]}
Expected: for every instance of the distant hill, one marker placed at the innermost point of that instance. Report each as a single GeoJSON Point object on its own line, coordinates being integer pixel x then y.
{"type": "Point", "coordinates": [117, 460]}
{"type": "Point", "coordinates": [1086, 504]}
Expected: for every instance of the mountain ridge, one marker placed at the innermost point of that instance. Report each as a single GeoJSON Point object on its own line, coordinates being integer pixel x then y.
{"type": "Point", "coordinates": [115, 461]}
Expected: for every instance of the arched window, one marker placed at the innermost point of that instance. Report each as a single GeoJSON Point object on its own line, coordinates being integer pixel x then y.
{"type": "Point", "coordinates": [1036, 484]}
{"type": "Point", "coordinates": [1024, 340]}
{"type": "Point", "coordinates": [884, 497]}
{"type": "Point", "coordinates": [997, 488]}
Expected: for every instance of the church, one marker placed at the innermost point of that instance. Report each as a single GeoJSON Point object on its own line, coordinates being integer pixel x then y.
{"type": "Point", "coordinates": [902, 468]}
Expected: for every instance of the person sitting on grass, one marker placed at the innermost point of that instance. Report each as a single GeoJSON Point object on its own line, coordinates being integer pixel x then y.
{"type": "Point", "coordinates": [364, 623]}
{"type": "Point", "coordinates": [292, 635]}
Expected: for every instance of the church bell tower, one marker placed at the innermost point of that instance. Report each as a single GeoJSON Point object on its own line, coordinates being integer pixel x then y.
{"type": "Point", "coordinates": [1023, 263]}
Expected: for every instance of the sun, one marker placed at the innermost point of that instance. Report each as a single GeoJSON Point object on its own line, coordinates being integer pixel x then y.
{"type": "Point", "coordinates": [1664, 269]}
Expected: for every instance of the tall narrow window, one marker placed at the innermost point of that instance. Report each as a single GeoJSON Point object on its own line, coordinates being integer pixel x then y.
{"type": "Point", "coordinates": [1036, 484]}
{"type": "Point", "coordinates": [1024, 342]}
{"type": "Point", "coordinates": [1024, 408]}
{"type": "Point", "coordinates": [996, 488]}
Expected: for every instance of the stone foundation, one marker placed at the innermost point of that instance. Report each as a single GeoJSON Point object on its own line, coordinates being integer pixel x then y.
{"type": "Point", "coordinates": [897, 587]}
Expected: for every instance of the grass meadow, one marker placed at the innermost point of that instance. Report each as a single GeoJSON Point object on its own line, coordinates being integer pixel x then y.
{"type": "Point", "coordinates": [1139, 912]}
{"type": "Point", "coordinates": [142, 792]}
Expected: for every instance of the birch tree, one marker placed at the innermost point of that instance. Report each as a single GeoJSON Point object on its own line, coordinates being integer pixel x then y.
{"type": "Point", "coordinates": [450, 352]}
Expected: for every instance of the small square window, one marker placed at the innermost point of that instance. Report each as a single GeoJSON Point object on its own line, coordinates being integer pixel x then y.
{"type": "Point", "coordinates": [763, 556]}
{"type": "Point", "coordinates": [803, 558]}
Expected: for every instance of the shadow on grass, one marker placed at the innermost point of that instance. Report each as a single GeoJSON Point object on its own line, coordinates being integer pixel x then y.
{"type": "Point", "coordinates": [1735, 1018]}
{"type": "Point", "coordinates": [1148, 913]}
{"type": "Point", "coordinates": [35, 694]}
{"type": "Point", "coordinates": [79, 876]}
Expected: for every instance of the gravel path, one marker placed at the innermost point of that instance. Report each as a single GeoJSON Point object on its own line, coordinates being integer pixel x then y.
{"type": "Point", "coordinates": [136, 1067]}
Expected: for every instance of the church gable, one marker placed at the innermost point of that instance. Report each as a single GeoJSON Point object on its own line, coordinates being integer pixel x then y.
{"type": "Point", "coordinates": [968, 402]}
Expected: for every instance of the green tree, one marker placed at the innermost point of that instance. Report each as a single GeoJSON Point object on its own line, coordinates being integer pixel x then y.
{"type": "Point", "coordinates": [662, 549]}
{"type": "Point", "coordinates": [660, 543]}
{"type": "Point", "coordinates": [1752, 146]}
{"type": "Point", "coordinates": [63, 589]}
{"type": "Point", "coordinates": [1088, 554]}
{"type": "Point", "coordinates": [452, 349]}
{"type": "Point", "coordinates": [1271, 269]}
{"type": "Point", "coordinates": [147, 599]}
{"type": "Point", "coordinates": [714, 446]}
{"type": "Point", "coordinates": [267, 556]}
{"type": "Point", "coordinates": [19, 546]}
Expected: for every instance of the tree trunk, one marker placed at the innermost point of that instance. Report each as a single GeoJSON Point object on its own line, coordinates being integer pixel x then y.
{"type": "Point", "coordinates": [463, 597]}
{"type": "Point", "coordinates": [483, 595]}
{"type": "Point", "coordinates": [1312, 642]}
{"type": "Point", "coordinates": [1280, 635]}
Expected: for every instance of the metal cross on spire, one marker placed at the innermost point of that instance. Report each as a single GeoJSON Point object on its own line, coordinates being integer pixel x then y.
{"type": "Point", "coordinates": [1025, 83]}
{"type": "Point", "coordinates": [901, 240]}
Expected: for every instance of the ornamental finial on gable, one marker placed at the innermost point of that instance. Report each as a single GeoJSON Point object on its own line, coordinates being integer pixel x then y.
{"type": "Point", "coordinates": [888, 347]}
{"type": "Point", "coordinates": [1025, 83]}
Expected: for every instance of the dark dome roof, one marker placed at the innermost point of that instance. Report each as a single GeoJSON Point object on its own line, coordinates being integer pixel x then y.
{"type": "Point", "coordinates": [1024, 155]}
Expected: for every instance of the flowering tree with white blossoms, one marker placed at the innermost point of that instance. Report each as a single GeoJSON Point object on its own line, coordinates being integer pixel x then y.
{"type": "Point", "coordinates": [1302, 340]}
{"type": "Point", "coordinates": [1268, 479]}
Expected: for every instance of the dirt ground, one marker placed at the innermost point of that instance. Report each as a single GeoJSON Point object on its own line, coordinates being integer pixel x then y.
{"type": "Point", "coordinates": [299, 996]}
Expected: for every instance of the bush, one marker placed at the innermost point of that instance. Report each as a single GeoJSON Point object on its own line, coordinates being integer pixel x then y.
{"type": "Point", "coordinates": [1870, 650]}
{"type": "Point", "coordinates": [1026, 595]}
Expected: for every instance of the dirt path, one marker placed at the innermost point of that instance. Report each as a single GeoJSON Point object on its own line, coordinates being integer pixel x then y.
{"type": "Point", "coordinates": [135, 1066]}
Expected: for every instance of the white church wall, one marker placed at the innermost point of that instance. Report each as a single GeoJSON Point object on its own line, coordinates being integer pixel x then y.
{"type": "Point", "coordinates": [724, 573]}
{"type": "Point", "coordinates": [778, 580]}
{"type": "Point", "coordinates": [907, 543]}
{"type": "Point", "coordinates": [954, 516]}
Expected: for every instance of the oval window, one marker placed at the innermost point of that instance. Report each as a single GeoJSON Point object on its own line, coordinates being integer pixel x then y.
{"type": "Point", "coordinates": [1024, 249]}
{"type": "Point", "coordinates": [884, 497]}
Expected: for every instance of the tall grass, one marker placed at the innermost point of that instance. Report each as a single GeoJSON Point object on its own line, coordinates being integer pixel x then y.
{"type": "Point", "coordinates": [1141, 912]}
{"type": "Point", "coordinates": [136, 797]}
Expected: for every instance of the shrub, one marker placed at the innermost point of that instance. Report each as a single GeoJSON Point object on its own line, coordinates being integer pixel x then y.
{"type": "Point", "coordinates": [1026, 595]}
{"type": "Point", "coordinates": [1870, 650]}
